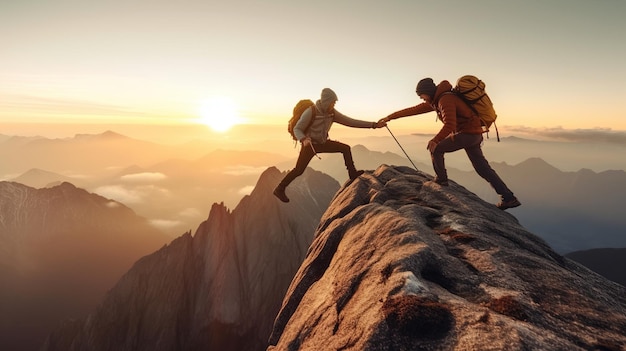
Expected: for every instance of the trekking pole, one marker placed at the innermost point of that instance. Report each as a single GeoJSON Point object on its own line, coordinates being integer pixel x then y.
{"type": "Point", "coordinates": [315, 152]}
{"type": "Point", "coordinates": [407, 155]}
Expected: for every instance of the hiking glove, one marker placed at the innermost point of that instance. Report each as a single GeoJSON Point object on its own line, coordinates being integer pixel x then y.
{"type": "Point", "coordinates": [306, 141]}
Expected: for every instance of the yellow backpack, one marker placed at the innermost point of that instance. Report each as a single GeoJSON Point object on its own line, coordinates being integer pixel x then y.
{"type": "Point", "coordinates": [298, 110]}
{"type": "Point", "coordinates": [472, 90]}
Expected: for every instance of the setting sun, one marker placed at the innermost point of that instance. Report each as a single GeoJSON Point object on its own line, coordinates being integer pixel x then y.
{"type": "Point", "coordinates": [219, 113]}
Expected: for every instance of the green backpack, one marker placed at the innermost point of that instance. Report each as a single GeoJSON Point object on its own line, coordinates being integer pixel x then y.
{"type": "Point", "coordinates": [472, 90]}
{"type": "Point", "coordinates": [298, 110]}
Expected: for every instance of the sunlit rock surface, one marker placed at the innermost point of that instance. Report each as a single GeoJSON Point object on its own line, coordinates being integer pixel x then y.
{"type": "Point", "coordinates": [401, 263]}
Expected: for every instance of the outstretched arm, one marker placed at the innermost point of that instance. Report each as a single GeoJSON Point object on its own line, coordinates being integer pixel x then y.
{"type": "Point", "coordinates": [411, 111]}
{"type": "Point", "coordinates": [355, 123]}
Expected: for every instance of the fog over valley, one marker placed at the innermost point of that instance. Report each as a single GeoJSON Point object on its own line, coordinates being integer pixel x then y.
{"type": "Point", "coordinates": [174, 183]}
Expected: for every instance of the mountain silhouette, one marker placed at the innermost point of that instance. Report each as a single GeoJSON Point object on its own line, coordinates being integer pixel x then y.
{"type": "Point", "coordinates": [82, 154]}
{"type": "Point", "coordinates": [61, 249]}
{"type": "Point", "coordinates": [572, 211]}
{"type": "Point", "coordinates": [218, 289]}
{"type": "Point", "coordinates": [39, 178]}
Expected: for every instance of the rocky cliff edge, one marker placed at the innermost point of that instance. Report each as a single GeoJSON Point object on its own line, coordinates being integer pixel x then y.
{"type": "Point", "coordinates": [401, 263]}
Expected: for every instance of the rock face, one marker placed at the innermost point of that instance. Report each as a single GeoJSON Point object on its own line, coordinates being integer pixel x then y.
{"type": "Point", "coordinates": [61, 248]}
{"type": "Point", "coordinates": [401, 263]}
{"type": "Point", "coordinates": [217, 290]}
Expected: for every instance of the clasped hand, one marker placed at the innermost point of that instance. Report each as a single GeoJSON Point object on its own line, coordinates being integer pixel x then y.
{"type": "Point", "coordinates": [306, 142]}
{"type": "Point", "coordinates": [383, 122]}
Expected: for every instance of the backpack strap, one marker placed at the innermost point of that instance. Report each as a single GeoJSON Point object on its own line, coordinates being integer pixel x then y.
{"type": "Point", "coordinates": [313, 114]}
{"type": "Point", "coordinates": [460, 97]}
{"type": "Point", "coordinates": [497, 133]}
{"type": "Point", "coordinates": [436, 102]}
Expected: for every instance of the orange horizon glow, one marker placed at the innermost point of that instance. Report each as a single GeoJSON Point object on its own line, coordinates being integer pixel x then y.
{"type": "Point", "coordinates": [67, 63]}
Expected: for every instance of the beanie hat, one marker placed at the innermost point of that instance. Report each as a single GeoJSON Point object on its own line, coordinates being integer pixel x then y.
{"type": "Point", "coordinates": [426, 86]}
{"type": "Point", "coordinates": [328, 97]}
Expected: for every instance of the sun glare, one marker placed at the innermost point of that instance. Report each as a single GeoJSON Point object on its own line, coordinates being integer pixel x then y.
{"type": "Point", "coordinates": [219, 113]}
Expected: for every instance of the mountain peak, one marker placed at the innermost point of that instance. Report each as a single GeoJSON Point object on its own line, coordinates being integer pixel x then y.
{"type": "Point", "coordinates": [399, 260]}
{"type": "Point", "coordinates": [537, 163]}
{"type": "Point", "coordinates": [106, 135]}
{"type": "Point", "coordinates": [67, 246]}
{"type": "Point", "coordinates": [217, 290]}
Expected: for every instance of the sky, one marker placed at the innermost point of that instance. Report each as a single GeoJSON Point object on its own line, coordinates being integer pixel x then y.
{"type": "Point", "coordinates": [548, 64]}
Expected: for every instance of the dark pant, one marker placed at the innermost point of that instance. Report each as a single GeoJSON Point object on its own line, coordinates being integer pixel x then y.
{"type": "Point", "coordinates": [306, 153]}
{"type": "Point", "coordinates": [471, 144]}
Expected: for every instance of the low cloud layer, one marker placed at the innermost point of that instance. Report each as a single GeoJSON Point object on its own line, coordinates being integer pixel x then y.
{"type": "Point", "coordinates": [595, 135]}
{"type": "Point", "coordinates": [130, 195]}
{"type": "Point", "coordinates": [165, 224]}
{"type": "Point", "coordinates": [119, 193]}
{"type": "Point", "coordinates": [192, 213]}
{"type": "Point", "coordinates": [244, 170]}
{"type": "Point", "coordinates": [143, 177]}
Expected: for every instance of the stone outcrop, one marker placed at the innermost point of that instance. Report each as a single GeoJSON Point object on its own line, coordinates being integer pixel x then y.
{"type": "Point", "coordinates": [219, 289]}
{"type": "Point", "coordinates": [401, 263]}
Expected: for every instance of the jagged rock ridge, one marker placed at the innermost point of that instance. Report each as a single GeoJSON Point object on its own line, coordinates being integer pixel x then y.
{"type": "Point", "coordinates": [219, 289]}
{"type": "Point", "coordinates": [401, 263]}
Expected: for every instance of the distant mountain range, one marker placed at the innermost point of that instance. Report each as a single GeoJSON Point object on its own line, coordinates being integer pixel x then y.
{"type": "Point", "coordinates": [39, 178]}
{"type": "Point", "coordinates": [61, 249]}
{"type": "Point", "coordinates": [81, 155]}
{"type": "Point", "coordinates": [174, 186]}
{"type": "Point", "coordinates": [571, 210]}
{"type": "Point", "coordinates": [217, 290]}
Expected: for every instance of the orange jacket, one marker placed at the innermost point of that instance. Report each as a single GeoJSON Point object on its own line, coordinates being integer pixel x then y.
{"type": "Point", "coordinates": [456, 115]}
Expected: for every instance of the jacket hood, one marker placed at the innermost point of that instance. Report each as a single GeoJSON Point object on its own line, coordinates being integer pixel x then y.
{"type": "Point", "coordinates": [327, 98]}
{"type": "Point", "coordinates": [443, 87]}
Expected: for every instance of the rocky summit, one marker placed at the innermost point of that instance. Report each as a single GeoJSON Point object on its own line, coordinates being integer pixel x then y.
{"type": "Point", "coordinates": [399, 262]}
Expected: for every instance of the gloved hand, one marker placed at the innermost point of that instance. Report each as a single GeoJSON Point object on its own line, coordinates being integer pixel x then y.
{"type": "Point", "coordinates": [306, 142]}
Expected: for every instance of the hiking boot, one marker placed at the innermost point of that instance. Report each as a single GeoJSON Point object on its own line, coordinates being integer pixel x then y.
{"type": "Point", "coordinates": [279, 192]}
{"type": "Point", "coordinates": [355, 174]}
{"type": "Point", "coordinates": [504, 204]}
{"type": "Point", "coordinates": [442, 182]}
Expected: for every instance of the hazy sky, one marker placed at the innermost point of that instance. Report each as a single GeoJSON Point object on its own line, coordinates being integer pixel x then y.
{"type": "Point", "coordinates": [547, 63]}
